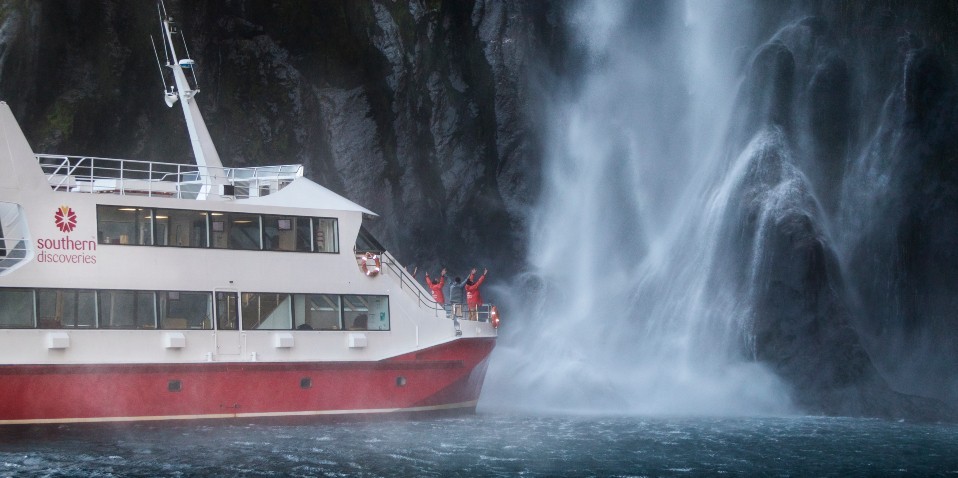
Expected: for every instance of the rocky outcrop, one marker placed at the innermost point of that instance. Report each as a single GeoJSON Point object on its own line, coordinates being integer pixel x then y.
{"type": "Point", "coordinates": [902, 258]}
{"type": "Point", "coordinates": [842, 258]}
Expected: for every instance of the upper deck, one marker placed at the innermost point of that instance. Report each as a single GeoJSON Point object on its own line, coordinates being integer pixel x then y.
{"type": "Point", "coordinates": [92, 175]}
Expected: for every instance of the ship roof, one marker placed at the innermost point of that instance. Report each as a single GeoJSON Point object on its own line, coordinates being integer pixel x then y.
{"type": "Point", "coordinates": [303, 192]}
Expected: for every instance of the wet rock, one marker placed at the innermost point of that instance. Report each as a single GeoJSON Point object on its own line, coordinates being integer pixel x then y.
{"type": "Point", "coordinates": [830, 125]}
{"type": "Point", "coordinates": [903, 261]}
{"type": "Point", "coordinates": [769, 87]}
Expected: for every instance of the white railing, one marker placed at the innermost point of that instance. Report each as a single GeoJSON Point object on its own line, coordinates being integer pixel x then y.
{"type": "Point", "coordinates": [84, 174]}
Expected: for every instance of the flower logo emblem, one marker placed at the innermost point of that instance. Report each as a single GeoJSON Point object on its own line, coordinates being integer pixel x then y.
{"type": "Point", "coordinates": [66, 219]}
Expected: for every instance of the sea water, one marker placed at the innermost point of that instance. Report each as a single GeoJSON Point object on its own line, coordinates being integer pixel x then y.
{"type": "Point", "coordinates": [489, 444]}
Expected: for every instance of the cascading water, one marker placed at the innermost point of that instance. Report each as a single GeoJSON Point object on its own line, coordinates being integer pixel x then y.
{"type": "Point", "coordinates": [629, 313]}
{"type": "Point", "coordinates": [721, 231]}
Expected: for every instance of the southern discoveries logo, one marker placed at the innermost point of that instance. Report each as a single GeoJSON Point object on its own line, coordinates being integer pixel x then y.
{"type": "Point", "coordinates": [74, 251]}
{"type": "Point", "coordinates": [65, 219]}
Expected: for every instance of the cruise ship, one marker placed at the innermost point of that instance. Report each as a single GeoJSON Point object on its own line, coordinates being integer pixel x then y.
{"type": "Point", "coordinates": [147, 291]}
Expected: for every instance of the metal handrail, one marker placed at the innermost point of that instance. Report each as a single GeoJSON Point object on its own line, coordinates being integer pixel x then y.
{"type": "Point", "coordinates": [88, 174]}
{"type": "Point", "coordinates": [408, 282]}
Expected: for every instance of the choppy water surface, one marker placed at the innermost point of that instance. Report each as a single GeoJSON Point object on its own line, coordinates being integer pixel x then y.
{"type": "Point", "coordinates": [490, 445]}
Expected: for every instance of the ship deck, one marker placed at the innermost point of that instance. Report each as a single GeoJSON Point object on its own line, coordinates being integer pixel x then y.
{"type": "Point", "coordinates": [93, 175]}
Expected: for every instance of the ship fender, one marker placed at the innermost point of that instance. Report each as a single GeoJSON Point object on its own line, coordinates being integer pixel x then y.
{"type": "Point", "coordinates": [371, 264]}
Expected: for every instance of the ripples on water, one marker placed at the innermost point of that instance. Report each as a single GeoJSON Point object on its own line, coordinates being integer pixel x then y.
{"type": "Point", "coordinates": [490, 445]}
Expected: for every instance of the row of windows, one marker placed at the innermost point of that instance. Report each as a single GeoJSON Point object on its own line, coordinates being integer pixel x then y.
{"type": "Point", "coordinates": [179, 310]}
{"type": "Point", "coordinates": [219, 230]}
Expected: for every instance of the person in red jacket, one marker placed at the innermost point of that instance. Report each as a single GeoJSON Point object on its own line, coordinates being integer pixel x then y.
{"type": "Point", "coordinates": [436, 287]}
{"type": "Point", "coordinates": [473, 297]}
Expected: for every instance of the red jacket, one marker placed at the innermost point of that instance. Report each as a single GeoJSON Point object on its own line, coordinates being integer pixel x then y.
{"type": "Point", "coordinates": [437, 289]}
{"type": "Point", "coordinates": [473, 298]}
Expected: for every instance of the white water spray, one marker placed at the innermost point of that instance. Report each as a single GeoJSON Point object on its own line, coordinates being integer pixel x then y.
{"type": "Point", "coordinates": [627, 314]}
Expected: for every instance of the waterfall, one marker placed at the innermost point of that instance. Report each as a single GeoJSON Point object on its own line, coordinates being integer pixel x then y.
{"type": "Point", "coordinates": [745, 209]}
{"type": "Point", "coordinates": [628, 310]}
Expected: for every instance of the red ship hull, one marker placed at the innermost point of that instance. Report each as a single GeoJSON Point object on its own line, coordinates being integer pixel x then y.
{"type": "Point", "coordinates": [447, 377]}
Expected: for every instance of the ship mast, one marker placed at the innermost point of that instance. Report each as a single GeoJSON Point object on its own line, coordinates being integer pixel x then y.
{"type": "Point", "coordinates": [207, 159]}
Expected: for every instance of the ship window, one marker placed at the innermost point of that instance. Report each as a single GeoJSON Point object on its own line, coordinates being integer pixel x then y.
{"type": "Point", "coordinates": [235, 231]}
{"type": "Point", "coordinates": [286, 233]}
{"type": "Point", "coordinates": [226, 311]}
{"type": "Point", "coordinates": [185, 310]}
{"type": "Point", "coordinates": [66, 308]}
{"type": "Point", "coordinates": [266, 311]}
{"type": "Point", "coordinates": [16, 308]}
{"type": "Point", "coordinates": [220, 230]}
{"type": "Point", "coordinates": [317, 312]}
{"type": "Point", "coordinates": [124, 225]}
{"type": "Point", "coordinates": [127, 309]}
{"type": "Point", "coordinates": [366, 312]}
{"type": "Point", "coordinates": [365, 242]}
{"type": "Point", "coordinates": [182, 228]}
{"type": "Point", "coordinates": [3, 246]}
{"type": "Point", "coordinates": [326, 233]}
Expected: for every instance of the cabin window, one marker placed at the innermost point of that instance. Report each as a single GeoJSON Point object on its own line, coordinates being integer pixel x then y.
{"type": "Point", "coordinates": [3, 244]}
{"type": "Point", "coordinates": [17, 308]}
{"type": "Point", "coordinates": [127, 309]}
{"type": "Point", "coordinates": [235, 231]}
{"type": "Point", "coordinates": [227, 311]}
{"type": "Point", "coordinates": [124, 225]}
{"type": "Point", "coordinates": [66, 308]}
{"type": "Point", "coordinates": [181, 228]}
{"type": "Point", "coordinates": [219, 230]}
{"type": "Point", "coordinates": [326, 235]}
{"type": "Point", "coordinates": [266, 311]}
{"type": "Point", "coordinates": [317, 312]}
{"type": "Point", "coordinates": [366, 312]}
{"type": "Point", "coordinates": [286, 233]}
{"type": "Point", "coordinates": [185, 310]}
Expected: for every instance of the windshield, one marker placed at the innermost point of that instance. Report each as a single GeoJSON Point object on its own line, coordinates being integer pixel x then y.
{"type": "Point", "coordinates": [365, 242]}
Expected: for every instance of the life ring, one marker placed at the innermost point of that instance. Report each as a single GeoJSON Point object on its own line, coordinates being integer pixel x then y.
{"type": "Point", "coordinates": [371, 264]}
{"type": "Point", "coordinates": [494, 316]}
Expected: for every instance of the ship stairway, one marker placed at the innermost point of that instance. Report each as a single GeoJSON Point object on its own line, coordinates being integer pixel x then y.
{"type": "Point", "coordinates": [409, 284]}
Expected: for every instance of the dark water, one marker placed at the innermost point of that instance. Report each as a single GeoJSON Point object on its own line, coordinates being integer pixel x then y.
{"type": "Point", "coordinates": [491, 445]}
